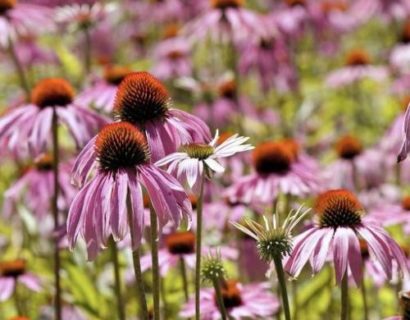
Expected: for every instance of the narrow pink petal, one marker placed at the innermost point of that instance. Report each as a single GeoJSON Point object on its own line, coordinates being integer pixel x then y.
{"type": "Point", "coordinates": [341, 252]}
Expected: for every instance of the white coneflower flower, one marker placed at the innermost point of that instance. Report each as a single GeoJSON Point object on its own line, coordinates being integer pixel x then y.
{"type": "Point", "coordinates": [192, 160]}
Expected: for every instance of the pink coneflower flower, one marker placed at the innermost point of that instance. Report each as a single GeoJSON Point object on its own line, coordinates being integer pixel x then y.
{"type": "Point", "coordinates": [144, 101]}
{"type": "Point", "coordinates": [358, 67]}
{"type": "Point", "coordinates": [36, 188]}
{"type": "Point", "coordinates": [101, 94]}
{"type": "Point", "coordinates": [356, 14]}
{"type": "Point", "coordinates": [241, 301]}
{"type": "Point", "coordinates": [30, 125]}
{"type": "Point", "coordinates": [13, 273]}
{"type": "Point", "coordinates": [280, 167]}
{"type": "Point", "coordinates": [344, 172]}
{"type": "Point", "coordinates": [393, 214]}
{"type": "Point", "coordinates": [271, 60]}
{"type": "Point", "coordinates": [227, 20]}
{"type": "Point", "coordinates": [292, 16]}
{"type": "Point", "coordinates": [181, 245]}
{"type": "Point", "coordinates": [20, 19]}
{"type": "Point", "coordinates": [193, 161]}
{"type": "Point", "coordinates": [172, 58]}
{"type": "Point", "coordinates": [120, 154]}
{"type": "Point", "coordinates": [84, 14]}
{"type": "Point", "coordinates": [31, 54]}
{"type": "Point", "coordinates": [339, 228]}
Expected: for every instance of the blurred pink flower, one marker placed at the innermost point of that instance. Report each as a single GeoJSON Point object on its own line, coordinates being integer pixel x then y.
{"type": "Point", "coordinates": [21, 19]}
{"type": "Point", "coordinates": [101, 94]}
{"type": "Point", "coordinates": [357, 68]}
{"type": "Point", "coordinates": [35, 188]}
{"type": "Point", "coordinates": [227, 21]}
{"type": "Point", "coordinates": [172, 59]}
{"type": "Point", "coordinates": [271, 59]}
{"type": "Point", "coordinates": [13, 273]}
{"type": "Point", "coordinates": [280, 168]}
{"type": "Point", "coordinates": [241, 301]}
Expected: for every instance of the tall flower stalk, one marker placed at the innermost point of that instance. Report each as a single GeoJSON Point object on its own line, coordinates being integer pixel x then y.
{"type": "Point", "coordinates": [274, 242]}
{"type": "Point", "coordinates": [117, 281]}
{"type": "Point", "coordinates": [57, 259]}
{"type": "Point", "coordinates": [198, 248]}
{"type": "Point", "coordinates": [156, 281]}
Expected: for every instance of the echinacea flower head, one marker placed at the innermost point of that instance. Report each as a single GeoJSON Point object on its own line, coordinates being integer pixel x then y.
{"type": "Point", "coordinates": [145, 102]}
{"type": "Point", "coordinates": [21, 19]}
{"type": "Point", "coordinates": [280, 167]}
{"type": "Point", "coordinates": [252, 300]}
{"type": "Point", "coordinates": [274, 240]}
{"type": "Point", "coordinates": [112, 201]}
{"type": "Point", "coordinates": [358, 66]}
{"type": "Point", "coordinates": [348, 147]}
{"type": "Point", "coordinates": [194, 160]}
{"type": "Point", "coordinates": [13, 272]}
{"type": "Point", "coordinates": [340, 226]}
{"type": "Point", "coordinates": [29, 126]}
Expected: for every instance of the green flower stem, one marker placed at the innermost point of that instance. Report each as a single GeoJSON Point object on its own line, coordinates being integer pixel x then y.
{"type": "Point", "coordinates": [184, 277]}
{"type": "Point", "coordinates": [155, 264]}
{"type": "Point", "coordinates": [364, 297]}
{"type": "Point", "coordinates": [117, 281]}
{"type": "Point", "coordinates": [139, 281]}
{"type": "Point", "coordinates": [344, 315]}
{"type": "Point", "coordinates": [198, 249]}
{"type": "Point", "coordinates": [219, 299]}
{"type": "Point", "coordinates": [282, 284]}
{"type": "Point", "coordinates": [54, 209]}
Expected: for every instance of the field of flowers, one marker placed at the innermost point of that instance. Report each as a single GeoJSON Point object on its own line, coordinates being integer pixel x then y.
{"type": "Point", "coordinates": [204, 159]}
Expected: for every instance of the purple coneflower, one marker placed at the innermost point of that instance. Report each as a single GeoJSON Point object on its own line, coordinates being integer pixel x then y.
{"type": "Point", "coordinates": [101, 94]}
{"type": "Point", "coordinates": [338, 230]}
{"type": "Point", "coordinates": [19, 19]}
{"type": "Point", "coordinates": [120, 154]}
{"type": "Point", "coordinates": [144, 101]}
{"type": "Point", "coordinates": [172, 58]}
{"type": "Point", "coordinates": [340, 225]}
{"type": "Point", "coordinates": [13, 273]}
{"type": "Point", "coordinates": [405, 147]}
{"type": "Point", "coordinates": [30, 125]}
{"type": "Point", "coordinates": [271, 60]}
{"type": "Point", "coordinates": [390, 214]}
{"type": "Point", "coordinates": [280, 168]}
{"type": "Point", "coordinates": [227, 20]}
{"type": "Point", "coordinates": [36, 188]}
{"type": "Point", "coordinates": [358, 67]}
{"type": "Point", "coordinates": [251, 301]}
